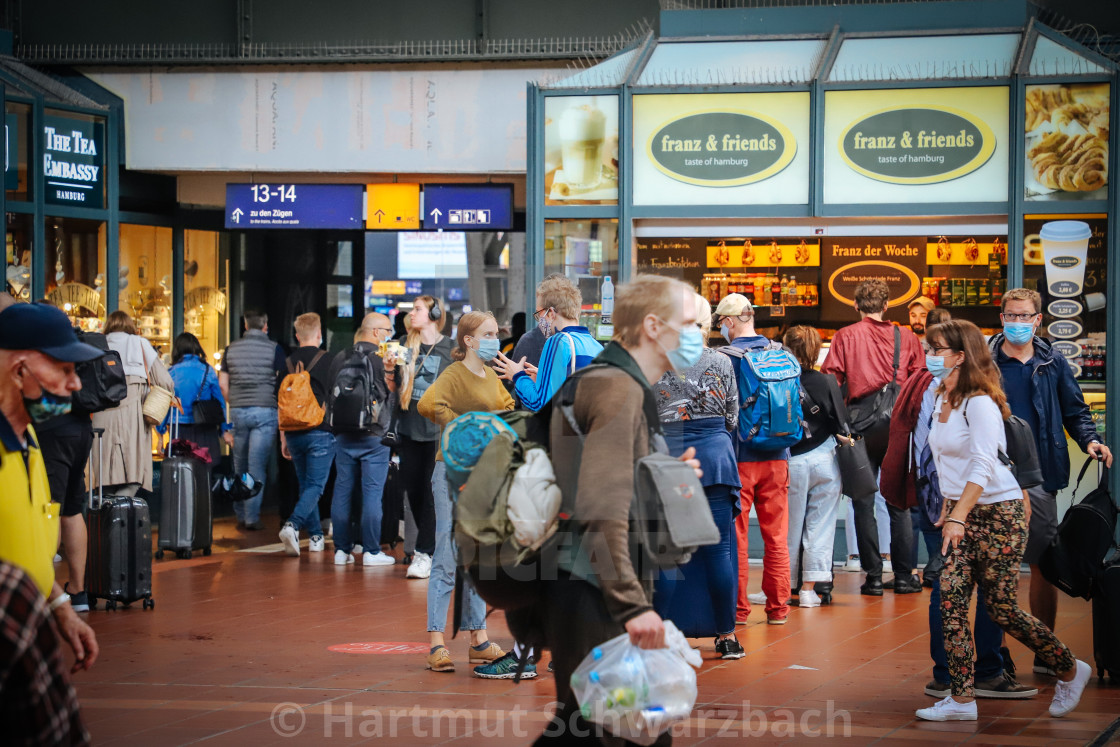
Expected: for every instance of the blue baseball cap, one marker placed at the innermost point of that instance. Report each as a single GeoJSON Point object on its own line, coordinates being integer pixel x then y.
{"type": "Point", "coordinates": [41, 327]}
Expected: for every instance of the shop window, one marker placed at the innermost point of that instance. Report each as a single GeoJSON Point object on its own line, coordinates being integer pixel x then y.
{"type": "Point", "coordinates": [146, 281]}
{"type": "Point", "coordinates": [206, 290]}
{"type": "Point", "coordinates": [75, 268]}
{"type": "Point", "coordinates": [586, 251]}
{"type": "Point", "coordinates": [17, 256]}
{"type": "Point", "coordinates": [17, 133]}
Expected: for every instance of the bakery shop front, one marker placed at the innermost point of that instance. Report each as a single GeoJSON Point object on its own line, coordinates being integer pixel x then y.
{"type": "Point", "coordinates": [954, 154]}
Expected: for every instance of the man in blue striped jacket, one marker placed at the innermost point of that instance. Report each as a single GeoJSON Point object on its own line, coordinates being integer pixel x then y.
{"type": "Point", "coordinates": [568, 347]}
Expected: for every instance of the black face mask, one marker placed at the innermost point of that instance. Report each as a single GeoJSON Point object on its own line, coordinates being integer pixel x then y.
{"type": "Point", "coordinates": [47, 405]}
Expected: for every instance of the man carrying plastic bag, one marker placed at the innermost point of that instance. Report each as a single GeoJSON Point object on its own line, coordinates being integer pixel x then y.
{"type": "Point", "coordinates": [591, 591]}
{"type": "Point", "coordinates": [637, 693]}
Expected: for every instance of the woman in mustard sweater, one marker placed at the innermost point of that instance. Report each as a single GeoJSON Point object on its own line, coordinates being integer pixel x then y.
{"type": "Point", "coordinates": [467, 385]}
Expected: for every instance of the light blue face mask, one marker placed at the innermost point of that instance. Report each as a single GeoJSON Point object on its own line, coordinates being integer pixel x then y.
{"type": "Point", "coordinates": [1018, 333]}
{"type": "Point", "coordinates": [488, 348]}
{"type": "Point", "coordinates": [935, 364]}
{"type": "Point", "coordinates": [690, 344]}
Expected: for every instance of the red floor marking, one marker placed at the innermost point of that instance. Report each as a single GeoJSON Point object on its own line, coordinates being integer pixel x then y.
{"type": "Point", "coordinates": [380, 647]}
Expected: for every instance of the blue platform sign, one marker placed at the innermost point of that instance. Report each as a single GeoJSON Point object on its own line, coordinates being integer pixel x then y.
{"type": "Point", "coordinates": [294, 206]}
{"type": "Point", "coordinates": [467, 207]}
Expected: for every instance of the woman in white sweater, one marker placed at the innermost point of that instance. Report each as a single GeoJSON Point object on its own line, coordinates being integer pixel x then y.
{"type": "Point", "coordinates": [984, 520]}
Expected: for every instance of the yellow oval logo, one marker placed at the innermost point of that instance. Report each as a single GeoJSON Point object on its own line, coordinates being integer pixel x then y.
{"type": "Point", "coordinates": [902, 281]}
{"type": "Point", "coordinates": [917, 145]}
{"type": "Point", "coordinates": [718, 148]}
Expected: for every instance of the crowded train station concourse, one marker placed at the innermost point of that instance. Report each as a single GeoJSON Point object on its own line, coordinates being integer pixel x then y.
{"type": "Point", "coordinates": [647, 372]}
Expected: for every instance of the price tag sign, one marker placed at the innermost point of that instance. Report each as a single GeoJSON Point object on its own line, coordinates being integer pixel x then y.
{"type": "Point", "coordinates": [294, 206]}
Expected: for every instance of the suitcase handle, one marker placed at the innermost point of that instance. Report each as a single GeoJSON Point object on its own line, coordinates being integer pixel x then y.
{"type": "Point", "coordinates": [173, 429]}
{"type": "Point", "coordinates": [99, 437]}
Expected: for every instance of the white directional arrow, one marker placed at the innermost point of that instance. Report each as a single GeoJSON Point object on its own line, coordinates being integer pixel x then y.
{"type": "Point", "coordinates": [435, 215]}
{"type": "Point", "coordinates": [236, 215]}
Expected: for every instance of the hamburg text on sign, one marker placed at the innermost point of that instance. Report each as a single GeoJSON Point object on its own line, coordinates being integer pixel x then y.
{"type": "Point", "coordinates": [72, 162]}
{"type": "Point", "coordinates": [917, 146]}
{"type": "Point", "coordinates": [722, 149]}
{"type": "Point", "coordinates": [293, 206]}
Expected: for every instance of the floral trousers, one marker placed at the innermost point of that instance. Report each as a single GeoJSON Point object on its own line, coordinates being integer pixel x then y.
{"type": "Point", "coordinates": [990, 555]}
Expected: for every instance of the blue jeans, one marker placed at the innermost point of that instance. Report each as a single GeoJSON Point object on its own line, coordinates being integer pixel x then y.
{"type": "Point", "coordinates": [720, 563]}
{"type": "Point", "coordinates": [364, 458]}
{"type": "Point", "coordinates": [814, 498]}
{"type": "Point", "coordinates": [987, 636]}
{"type": "Point", "coordinates": [312, 453]}
{"type": "Point", "coordinates": [255, 431]}
{"type": "Point", "coordinates": [442, 581]}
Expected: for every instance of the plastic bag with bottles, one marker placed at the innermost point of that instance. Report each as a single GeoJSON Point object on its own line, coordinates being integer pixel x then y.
{"type": "Point", "coordinates": [637, 693]}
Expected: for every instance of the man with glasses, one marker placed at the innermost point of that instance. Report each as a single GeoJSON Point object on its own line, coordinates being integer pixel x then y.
{"type": "Point", "coordinates": [1042, 390]}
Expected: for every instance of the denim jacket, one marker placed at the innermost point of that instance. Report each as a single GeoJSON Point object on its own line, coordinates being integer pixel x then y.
{"type": "Point", "coordinates": [188, 375]}
{"type": "Point", "coordinates": [1060, 406]}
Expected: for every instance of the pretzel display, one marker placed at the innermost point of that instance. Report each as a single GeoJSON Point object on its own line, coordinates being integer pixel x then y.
{"type": "Point", "coordinates": [748, 254]}
{"type": "Point", "coordinates": [775, 253]}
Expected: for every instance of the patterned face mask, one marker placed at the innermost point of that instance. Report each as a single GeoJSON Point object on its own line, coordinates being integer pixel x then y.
{"type": "Point", "coordinates": [46, 405]}
{"type": "Point", "coordinates": [544, 324]}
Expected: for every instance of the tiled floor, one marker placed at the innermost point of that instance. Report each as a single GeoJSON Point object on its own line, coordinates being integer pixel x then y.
{"type": "Point", "coordinates": [236, 653]}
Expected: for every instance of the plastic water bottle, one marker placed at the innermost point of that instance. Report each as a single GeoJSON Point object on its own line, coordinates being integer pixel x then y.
{"type": "Point", "coordinates": [607, 292]}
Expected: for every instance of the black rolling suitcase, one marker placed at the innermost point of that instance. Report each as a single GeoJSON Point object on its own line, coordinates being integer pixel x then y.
{"type": "Point", "coordinates": [185, 519]}
{"type": "Point", "coordinates": [119, 558]}
{"type": "Point", "coordinates": [1106, 622]}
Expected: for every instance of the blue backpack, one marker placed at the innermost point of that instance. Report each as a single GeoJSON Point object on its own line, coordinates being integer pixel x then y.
{"type": "Point", "coordinates": [929, 486]}
{"type": "Point", "coordinates": [770, 411]}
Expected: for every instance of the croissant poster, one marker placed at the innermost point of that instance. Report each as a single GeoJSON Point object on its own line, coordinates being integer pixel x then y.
{"type": "Point", "coordinates": [1067, 128]}
{"type": "Point", "coordinates": [916, 146]}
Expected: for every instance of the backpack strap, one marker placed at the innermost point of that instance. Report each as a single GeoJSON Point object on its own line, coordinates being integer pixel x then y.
{"type": "Point", "coordinates": [319, 356]}
{"type": "Point", "coordinates": [897, 351]}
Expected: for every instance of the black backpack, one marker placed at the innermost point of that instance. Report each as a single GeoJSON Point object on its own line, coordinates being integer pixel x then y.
{"type": "Point", "coordinates": [104, 385]}
{"type": "Point", "coordinates": [1021, 456]}
{"type": "Point", "coordinates": [352, 404]}
{"type": "Point", "coordinates": [1076, 556]}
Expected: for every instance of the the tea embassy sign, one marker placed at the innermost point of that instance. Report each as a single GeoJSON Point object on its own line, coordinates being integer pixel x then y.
{"type": "Point", "coordinates": [73, 162]}
{"type": "Point", "coordinates": [721, 149]}
{"type": "Point", "coordinates": [917, 145]}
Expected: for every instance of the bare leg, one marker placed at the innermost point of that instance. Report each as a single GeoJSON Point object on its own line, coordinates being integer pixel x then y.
{"type": "Point", "coordinates": [74, 538]}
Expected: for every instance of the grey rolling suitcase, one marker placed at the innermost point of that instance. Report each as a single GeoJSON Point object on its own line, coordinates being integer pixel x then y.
{"type": "Point", "coordinates": [119, 556]}
{"type": "Point", "coordinates": [185, 519]}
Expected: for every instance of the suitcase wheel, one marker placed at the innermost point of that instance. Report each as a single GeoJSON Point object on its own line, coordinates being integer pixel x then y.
{"type": "Point", "coordinates": [184, 554]}
{"type": "Point", "coordinates": [149, 603]}
{"type": "Point", "coordinates": [111, 604]}
{"type": "Point", "coordinates": [159, 554]}
{"type": "Point", "coordinates": [206, 551]}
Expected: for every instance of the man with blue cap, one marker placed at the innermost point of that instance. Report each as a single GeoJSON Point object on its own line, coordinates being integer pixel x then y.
{"type": "Point", "coordinates": [38, 350]}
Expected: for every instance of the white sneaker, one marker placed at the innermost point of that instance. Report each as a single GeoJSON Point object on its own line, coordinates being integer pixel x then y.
{"type": "Point", "coordinates": [948, 710]}
{"type": "Point", "coordinates": [421, 566]}
{"type": "Point", "coordinates": [369, 558]}
{"type": "Point", "coordinates": [358, 549]}
{"type": "Point", "coordinates": [759, 598]}
{"type": "Point", "coordinates": [887, 567]}
{"type": "Point", "coordinates": [1068, 694]}
{"type": "Point", "coordinates": [808, 598]}
{"type": "Point", "coordinates": [317, 544]}
{"type": "Point", "coordinates": [290, 537]}
{"type": "Point", "coordinates": [343, 558]}
{"type": "Point", "coordinates": [853, 566]}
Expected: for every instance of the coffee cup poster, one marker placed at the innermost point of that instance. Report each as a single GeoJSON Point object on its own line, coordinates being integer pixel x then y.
{"type": "Point", "coordinates": [916, 146]}
{"type": "Point", "coordinates": [1067, 130]}
{"type": "Point", "coordinates": [581, 150]}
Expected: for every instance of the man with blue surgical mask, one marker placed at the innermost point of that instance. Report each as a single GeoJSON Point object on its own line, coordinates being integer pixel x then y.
{"type": "Point", "coordinates": [1042, 390]}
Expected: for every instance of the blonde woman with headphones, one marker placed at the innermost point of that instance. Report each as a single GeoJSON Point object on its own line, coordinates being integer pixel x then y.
{"type": "Point", "coordinates": [418, 437]}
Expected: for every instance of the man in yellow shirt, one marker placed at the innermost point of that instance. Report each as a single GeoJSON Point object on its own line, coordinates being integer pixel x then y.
{"type": "Point", "coordinates": [38, 350]}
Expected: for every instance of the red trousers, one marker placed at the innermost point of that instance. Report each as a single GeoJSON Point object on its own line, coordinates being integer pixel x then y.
{"type": "Point", "coordinates": [766, 487]}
